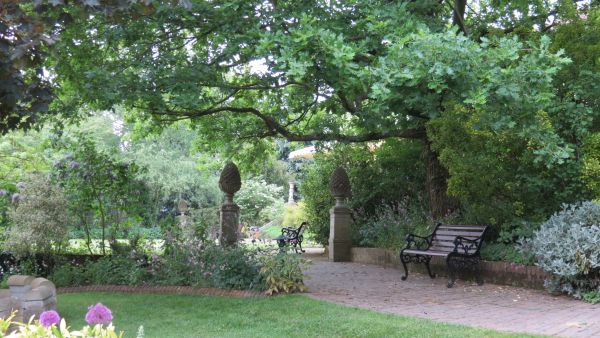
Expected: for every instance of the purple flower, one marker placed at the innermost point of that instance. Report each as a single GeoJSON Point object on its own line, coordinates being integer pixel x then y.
{"type": "Point", "coordinates": [98, 314]}
{"type": "Point", "coordinates": [49, 318]}
{"type": "Point", "coordinates": [20, 185]}
{"type": "Point", "coordinates": [15, 198]}
{"type": "Point", "coordinates": [3, 192]}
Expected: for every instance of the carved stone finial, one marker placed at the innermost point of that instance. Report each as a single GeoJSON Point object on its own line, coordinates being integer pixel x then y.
{"type": "Point", "coordinates": [230, 181]}
{"type": "Point", "coordinates": [339, 184]}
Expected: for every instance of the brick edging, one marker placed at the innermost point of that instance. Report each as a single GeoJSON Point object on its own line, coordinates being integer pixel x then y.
{"type": "Point", "coordinates": [186, 290]}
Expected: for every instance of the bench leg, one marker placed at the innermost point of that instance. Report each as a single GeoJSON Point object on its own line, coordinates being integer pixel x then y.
{"type": "Point", "coordinates": [405, 268]}
{"type": "Point", "coordinates": [450, 265]}
{"type": "Point", "coordinates": [300, 245]}
{"type": "Point", "coordinates": [432, 275]}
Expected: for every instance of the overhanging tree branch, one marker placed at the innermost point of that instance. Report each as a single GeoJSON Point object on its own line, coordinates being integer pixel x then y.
{"type": "Point", "coordinates": [274, 128]}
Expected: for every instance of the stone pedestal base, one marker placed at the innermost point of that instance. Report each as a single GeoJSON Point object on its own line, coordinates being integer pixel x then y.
{"type": "Point", "coordinates": [230, 219]}
{"type": "Point", "coordinates": [340, 242]}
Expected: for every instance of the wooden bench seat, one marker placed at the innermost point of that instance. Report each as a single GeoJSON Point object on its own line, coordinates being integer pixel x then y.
{"type": "Point", "coordinates": [459, 244]}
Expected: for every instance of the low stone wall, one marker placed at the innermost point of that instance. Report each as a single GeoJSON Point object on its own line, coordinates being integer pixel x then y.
{"type": "Point", "coordinates": [504, 273]}
{"type": "Point", "coordinates": [27, 297]}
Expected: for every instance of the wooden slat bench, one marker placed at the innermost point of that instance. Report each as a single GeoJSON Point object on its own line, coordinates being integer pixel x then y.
{"type": "Point", "coordinates": [459, 244]}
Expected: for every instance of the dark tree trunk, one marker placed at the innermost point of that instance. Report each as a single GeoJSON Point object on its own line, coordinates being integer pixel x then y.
{"type": "Point", "coordinates": [440, 204]}
{"type": "Point", "coordinates": [458, 14]}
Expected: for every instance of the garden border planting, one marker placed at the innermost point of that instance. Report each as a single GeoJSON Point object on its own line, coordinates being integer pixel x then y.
{"type": "Point", "coordinates": [188, 290]}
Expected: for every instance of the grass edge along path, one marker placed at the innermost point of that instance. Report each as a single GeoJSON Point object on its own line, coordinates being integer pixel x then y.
{"type": "Point", "coordinates": [186, 316]}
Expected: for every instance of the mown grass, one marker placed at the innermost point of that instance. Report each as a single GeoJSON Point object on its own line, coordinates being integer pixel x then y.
{"type": "Point", "coordinates": [181, 316]}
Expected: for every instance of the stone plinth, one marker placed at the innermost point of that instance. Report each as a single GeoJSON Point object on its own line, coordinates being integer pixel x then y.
{"type": "Point", "coordinates": [230, 219]}
{"type": "Point", "coordinates": [340, 241]}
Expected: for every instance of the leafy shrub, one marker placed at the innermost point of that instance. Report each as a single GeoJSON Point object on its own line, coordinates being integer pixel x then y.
{"type": "Point", "coordinates": [506, 245]}
{"type": "Point", "coordinates": [69, 275]}
{"type": "Point", "coordinates": [567, 245]}
{"type": "Point", "coordinates": [232, 268]}
{"type": "Point", "coordinates": [282, 273]}
{"type": "Point", "coordinates": [39, 221]}
{"type": "Point", "coordinates": [390, 225]}
{"type": "Point", "coordinates": [194, 262]}
{"type": "Point", "coordinates": [592, 296]}
{"type": "Point", "coordinates": [117, 270]}
{"type": "Point", "coordinates": [383, 175]}
{"type": "Point", "coordinates": [182, 263]}
{"type": "Point", "coordinates": [259, 201]}
{"type": "Point", "coordinates": [499, 175]}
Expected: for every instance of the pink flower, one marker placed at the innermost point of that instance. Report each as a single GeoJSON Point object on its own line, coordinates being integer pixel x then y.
{"type": "Point", "coordinates": [98, 314]}
{"type": "Point", "coordinates": [49, 318]}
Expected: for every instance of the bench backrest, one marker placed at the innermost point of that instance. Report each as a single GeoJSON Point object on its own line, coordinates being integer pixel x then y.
{"type": "Point", "coordinates": [301, 229]}
{"type": "Point", "coordinates": [445, 234]}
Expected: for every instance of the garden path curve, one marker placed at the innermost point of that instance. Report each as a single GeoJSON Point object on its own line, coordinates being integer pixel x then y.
{"type": "Point", "coordinates": [498, 307]}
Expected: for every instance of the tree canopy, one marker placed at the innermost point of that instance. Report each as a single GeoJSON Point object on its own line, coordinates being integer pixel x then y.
{"type": "Point", "coordinates": [350, 71]}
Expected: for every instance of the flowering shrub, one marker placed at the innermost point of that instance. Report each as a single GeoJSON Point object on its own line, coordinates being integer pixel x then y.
{"type": "Point", "coordinates": [39, 218]}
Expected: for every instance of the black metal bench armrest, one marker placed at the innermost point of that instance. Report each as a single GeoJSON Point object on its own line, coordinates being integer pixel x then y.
{"type": "Point", "coordinates": [418, 242]}
{"type": "Point", "coordinates": [466, 246]}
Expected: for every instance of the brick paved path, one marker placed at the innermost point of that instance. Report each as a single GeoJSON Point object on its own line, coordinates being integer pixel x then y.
{"type": "Point", "coordinates": [492, 306]}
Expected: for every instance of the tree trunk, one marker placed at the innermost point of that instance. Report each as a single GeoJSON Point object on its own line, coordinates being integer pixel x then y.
{"type": "Point", "coordinates": [440, 204]}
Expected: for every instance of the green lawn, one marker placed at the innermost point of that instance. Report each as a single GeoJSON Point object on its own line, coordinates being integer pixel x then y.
{"type": "Point", "coordinates": [284, 316]}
